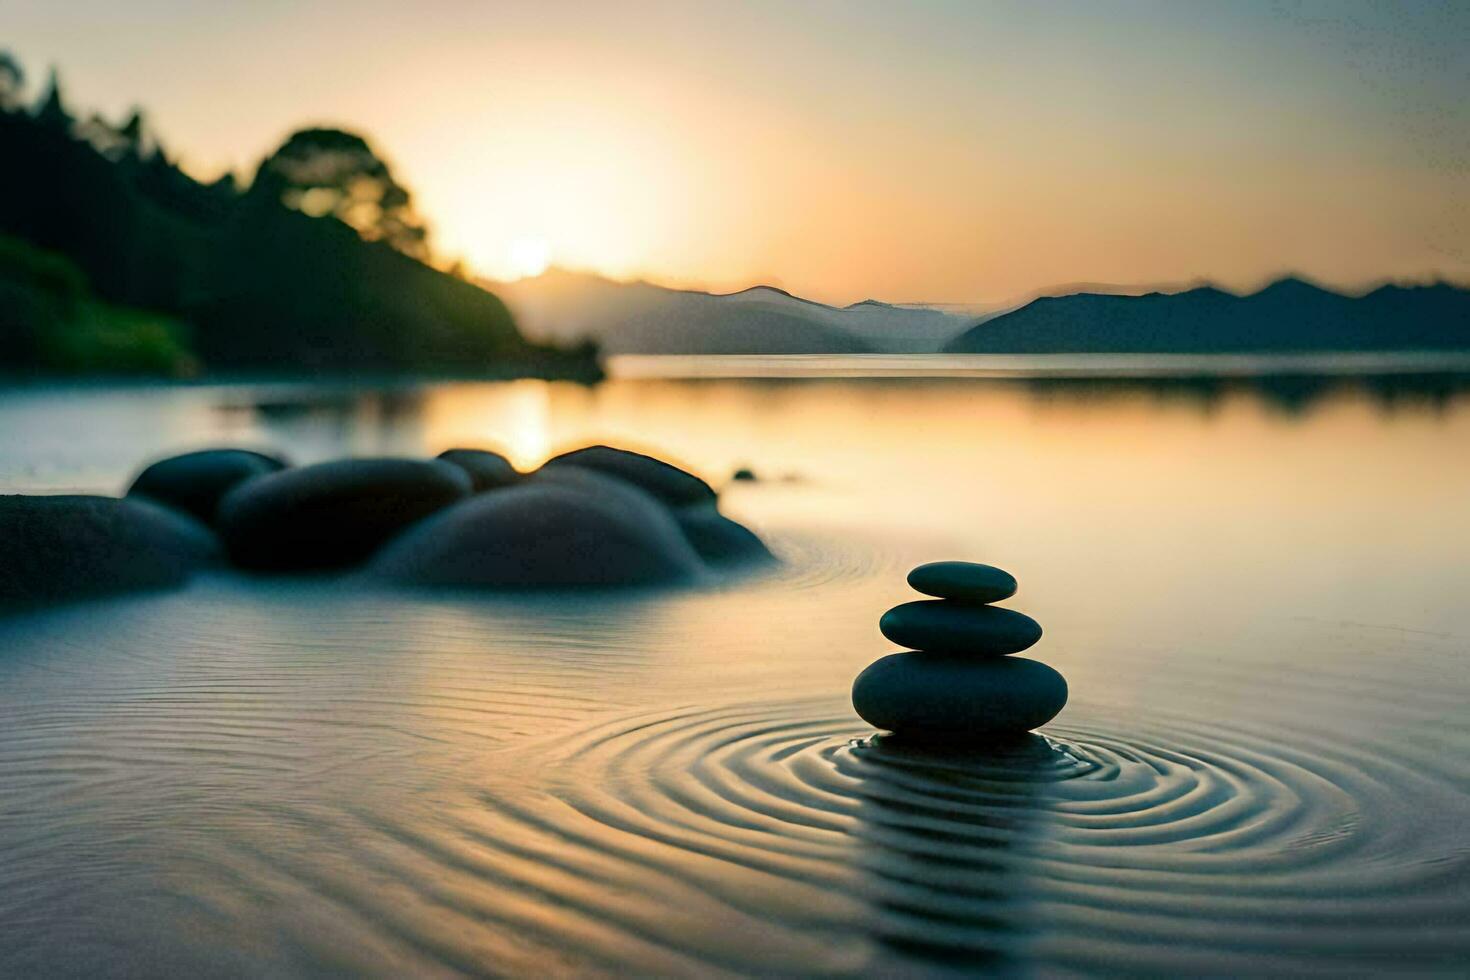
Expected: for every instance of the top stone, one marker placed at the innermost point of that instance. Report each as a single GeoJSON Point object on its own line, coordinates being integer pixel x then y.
{"type": "Point", "coordinates": [963, 581]}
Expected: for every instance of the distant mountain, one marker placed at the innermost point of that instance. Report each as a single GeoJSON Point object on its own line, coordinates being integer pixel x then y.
{"type": "Point", "coordinates": [1288, 315]}
{"type": "Point", "coordinates": [641, 318]}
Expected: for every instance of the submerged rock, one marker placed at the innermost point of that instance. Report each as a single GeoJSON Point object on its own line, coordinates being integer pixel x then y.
{"type": "Point", "coordinates": [943, 626]}
{"type": "Point", "coordinates": [64, 547]}
{"type": "Point", "coordinates": [713, 536]}
{"type": "Point", "coordinates": [951, 696]}
{"type": "Point", "coordinates": [196, 482]}
{"type": "Point", "coordinates": [719, 540]}
{"type": "Point", "coordinates": [665, 481]}
{"type": "Point", "coordinates": [562, 530]}
{"type": "Point", "coordinates": [486, 470]}
{"type": "Point", "coordinates": [333, 514]}
{"type": "Point", "coordinates": [963, 581]}
{"type": "Point", "coordinates": [611, 489]}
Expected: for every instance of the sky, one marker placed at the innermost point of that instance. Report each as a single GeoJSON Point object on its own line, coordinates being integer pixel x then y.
{"type": "Point", "coordinates": [960, 152]}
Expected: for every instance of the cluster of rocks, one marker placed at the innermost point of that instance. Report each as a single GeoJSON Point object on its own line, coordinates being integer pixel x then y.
{"type": "Point", "coordinates": [958, 678]}
{"type": "Point", "coordinates": [597, 516]}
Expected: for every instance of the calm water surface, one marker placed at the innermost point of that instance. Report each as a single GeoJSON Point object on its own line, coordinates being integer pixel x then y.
{"type": "Point", "coordinates": [1257, 592]}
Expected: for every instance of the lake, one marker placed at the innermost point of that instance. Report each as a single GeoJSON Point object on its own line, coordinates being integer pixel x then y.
{"type": "Point", "coordinates": [1254, 580]}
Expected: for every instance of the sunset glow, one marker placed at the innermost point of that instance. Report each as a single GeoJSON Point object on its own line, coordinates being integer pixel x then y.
{"type": "Point", "coordinates": [952, 153]}
{"type": "Point", "coordinates": [528, 257]}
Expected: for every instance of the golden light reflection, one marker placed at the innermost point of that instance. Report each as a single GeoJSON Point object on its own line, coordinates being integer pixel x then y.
{"type": "Point", "coordinates": [511, 418]}
{"type": "Point", "coordinates": [1033, 476]}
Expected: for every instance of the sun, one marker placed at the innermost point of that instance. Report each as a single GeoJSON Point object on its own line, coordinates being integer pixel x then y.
{"type": "Point", "coordinates": [529, 256]}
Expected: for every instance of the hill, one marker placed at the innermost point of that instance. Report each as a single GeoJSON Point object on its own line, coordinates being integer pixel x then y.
{"type": "Point", "coordinates": [1289, 315]}
{"type": "Point", "coordinates": [114, 259]}
{"type": "Point", "coordinates": [641, 318]}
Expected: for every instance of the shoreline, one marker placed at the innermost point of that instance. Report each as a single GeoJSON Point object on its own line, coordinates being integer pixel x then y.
{"type": "Point", "coordinates": [1039, 366]}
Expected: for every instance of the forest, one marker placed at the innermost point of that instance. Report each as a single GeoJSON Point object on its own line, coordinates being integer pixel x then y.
{"type": "Point", "coordinates": [114, 259]}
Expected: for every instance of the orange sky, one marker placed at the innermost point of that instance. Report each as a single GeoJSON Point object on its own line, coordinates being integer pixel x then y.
{"type": "Point", "coordinates": [954, 152]}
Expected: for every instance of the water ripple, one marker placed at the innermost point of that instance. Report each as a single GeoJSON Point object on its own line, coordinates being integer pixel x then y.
{"type": "Point", "coordinates": [508, 789]}
{"type": "Point", "coordinates": [1252, 850]}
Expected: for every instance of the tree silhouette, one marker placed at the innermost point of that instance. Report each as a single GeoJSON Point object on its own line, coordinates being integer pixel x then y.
{"type": "Point", "coordinates": [51, 112]}
{"type": "Point", "coordinates": [179, 273]}
{"type": "Point", "coordinates": [12, 82]}
{"type": "Point", "coordinates": [334, 172]}
{"type": "Point", "coordinates": [122, 142]}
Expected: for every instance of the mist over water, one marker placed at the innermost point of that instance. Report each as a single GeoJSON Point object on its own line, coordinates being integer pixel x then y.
{"type": "Point", "coordinates": [1255, 589]}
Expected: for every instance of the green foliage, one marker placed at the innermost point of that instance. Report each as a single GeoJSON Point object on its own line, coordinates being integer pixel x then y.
{"type": "Point", "coordinates": [56, 277]}
{"type": "Point", "coordinates": [49, 323]}
{"type": "Point", "coordinates": [104, 339]}
{"type": "Point", "coordinates": [40, 293]}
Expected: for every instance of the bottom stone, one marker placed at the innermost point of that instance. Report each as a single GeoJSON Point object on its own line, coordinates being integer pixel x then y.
{"type": "Point", "coordinates": [934, 694]}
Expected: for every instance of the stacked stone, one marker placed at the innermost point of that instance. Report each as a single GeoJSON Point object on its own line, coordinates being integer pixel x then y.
{"type": "Point", "coordinates": [958, 678]}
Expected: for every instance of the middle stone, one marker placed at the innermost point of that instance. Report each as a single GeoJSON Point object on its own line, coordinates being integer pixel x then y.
{"type": "Point", "coordinates": [940, 626]}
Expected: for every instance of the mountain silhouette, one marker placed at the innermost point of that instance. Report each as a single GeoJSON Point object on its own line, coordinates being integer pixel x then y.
{"type": "Point", "coordinates": [1289, 315]}
{"type": "Point", "coordinates": [561, 306]}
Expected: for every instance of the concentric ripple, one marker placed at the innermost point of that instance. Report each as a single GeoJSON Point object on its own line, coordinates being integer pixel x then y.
{"type": "Point", "coordinates": [811, 561]}
{"type": "Point", "coordinates": [1104, 844]}
{"type": "Point", "coordinates": [513, 789]}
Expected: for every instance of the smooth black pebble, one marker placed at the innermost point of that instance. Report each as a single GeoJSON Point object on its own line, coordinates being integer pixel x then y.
{"type": "Point", "coordinates": [941, 626]}
{"type": "Point", "coordinates": [332, 514]}
{"type": "Point", "coordinates": [963, 581]}
{"type": "Point", "coordinates": [934, 694]}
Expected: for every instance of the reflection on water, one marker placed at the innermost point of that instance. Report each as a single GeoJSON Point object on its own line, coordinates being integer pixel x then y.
{"type": "Point", "coordinates": [1289, 394]}
{"type": "Point", "coordinates": [1260, 613]}
{"type": "Point", "coordinates": [944, 832]}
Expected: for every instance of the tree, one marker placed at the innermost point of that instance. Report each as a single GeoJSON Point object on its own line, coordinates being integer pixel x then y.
{"type": "Point", "coordinates": [332, 172]}
{"type": "Point", "coordinates": [12, 82]}
{"type": "Point", "coordinates": [122, 142]}
{"type": "Point", "coordinates": [51, 112]}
